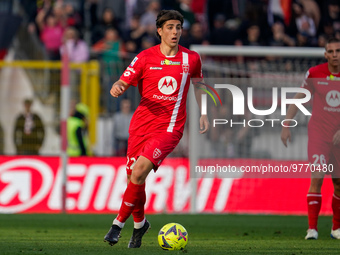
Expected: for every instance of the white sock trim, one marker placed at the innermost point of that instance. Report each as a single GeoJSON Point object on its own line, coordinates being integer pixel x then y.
{"type": "Point", "coordinates": [138, 225]}
{"type": "Point", "coordinates": [117, 222]}
{"type": "Point", "coordinates": [314, 195]}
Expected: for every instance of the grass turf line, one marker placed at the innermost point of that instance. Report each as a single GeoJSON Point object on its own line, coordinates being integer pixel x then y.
{"type": "Point", "coordinates": [208, 234]}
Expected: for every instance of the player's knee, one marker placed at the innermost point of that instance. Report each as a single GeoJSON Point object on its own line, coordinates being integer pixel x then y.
{"type": "Point", "coordinates": [137, 179]}
{"type": "Point", "coordinates": [139, 175]}
{"type": "Point", "coordinates": [315, 185]}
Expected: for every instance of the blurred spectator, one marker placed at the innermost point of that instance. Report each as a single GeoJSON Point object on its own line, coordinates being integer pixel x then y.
{"type": "Point", "coordinates": [229, 8]}
{"type": "Point", "coordinates": [121, 123]}
{"type": "Point", "coordinates": [130, 48]}
{"type": "Point", "coordinates": [58, 10]}
{"type": "Point", "coordinates": [328, 29]}
{"type": "Point", "coordinates": [135, 32]}
{"type": "Point", "coordinates": [185, 9]}
{"type": "Point", "coordinates": [109, 46]}
{"type": "Point", "coordinates": [331, 15]}
{"type": "Point", "coordinates": [106, 21]}
{"type": "Point", "coordinates": [198, 7]}
{"type": "Point", "coordinates": [312, 10]}
{"type": "Point", "coordinates": [73, 17]}
{"type": "Point", "coordinates": [302, 40]}
{"type": "Point", "coordinates": [185, 37]}
{"type": "Point", "coordinates": [29, 131]}
{"type": "Point", "coordinates": [279, 11]}
{"type": "Point", "coordinates": [31, 12]}
{"type": "Point", "coordinates": [77, 48]}
{"type": "Point", "coordinates": [196, 35]}
{"type": "Point", "coordinates": [134, 7]}
{"type": "Point", "coordinates": [147, 42]}
{"type": "Point", "coordinates": [279, 37]}
{"type": "Point", "coordinates": [301, 22]}
{"type": "Point", "coordinates": [150, 15]}
{"type": "Point", "coordinates": [253, 37]}
{"type": "Point", "coordinates": [109, 50]}
{"type": "Point", "coordinates": [221, 34]}
{"type": "Point", "coordinates": [78, 52]}
{"type": "Point", "coordinates": [337, 34]}
{"type": "Point", "coordinates": [147, 22]}
{"type": "Point", "coordinates": [51, 32]}
{"type": "Point", "coordinates": [322, 40]}
{"type": "Point", "coordinates": [77, 138]}
{"type": "Point", "coordinates": [256, 14]}
{"type": "Point", "coordinates": [123, 9]}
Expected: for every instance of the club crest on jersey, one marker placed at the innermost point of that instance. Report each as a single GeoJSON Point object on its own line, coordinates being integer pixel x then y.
{"type": "Point", "coordinates": [157, 153]}
{"type": "Point", "coordinates": [333, 98]}
{"type": "Point", "coordinates": [167, 85]}
{"type": "Point", "coordinates": [185, 68]}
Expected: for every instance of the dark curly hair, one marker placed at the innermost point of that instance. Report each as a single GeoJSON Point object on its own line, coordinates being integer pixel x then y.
{"type": "Point", "coordinates": [166, 15]}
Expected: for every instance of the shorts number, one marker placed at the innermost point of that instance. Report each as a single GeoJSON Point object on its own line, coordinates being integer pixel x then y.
{"type": "Point", "coordinates": [319, 160]}
{"type": "Point", "coordinates": [133, 160]}
{"type": "Point", "coordinates": [320, 165]}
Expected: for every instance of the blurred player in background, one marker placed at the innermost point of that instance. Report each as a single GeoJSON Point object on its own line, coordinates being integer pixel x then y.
{"type": "Point", "coordinates": [77, 137]}
{"type": "Point", "coordinates": [29, 131]}
{"type": "Point", "coordinates": [323, 81]}
{"type": "Point", "coordinates": [163, 74]}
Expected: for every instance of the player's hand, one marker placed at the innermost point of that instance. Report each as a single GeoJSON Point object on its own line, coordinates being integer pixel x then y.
{"type": "Point", "coordinates": [336, 138]}
{"type": "Point", "coordinates": [204, 124]}
{"type": "Point", "coordinates": [116, 90]}
{"type": "Point", "coordinates": [285, 135]}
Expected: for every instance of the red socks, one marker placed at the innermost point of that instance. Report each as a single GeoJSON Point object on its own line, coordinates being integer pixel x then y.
{"type": "Point", "coordinates": [314, 206]}
{"type": "Point", "coordinates": [138, 212]}
{"type": "Point", "coordinates": [336, 212]}
{"type": "Point", "coordinates": [133, 202]}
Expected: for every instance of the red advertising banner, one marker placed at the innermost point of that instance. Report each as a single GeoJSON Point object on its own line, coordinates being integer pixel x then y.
{"type": "Point", "coordinates": [96, 185]}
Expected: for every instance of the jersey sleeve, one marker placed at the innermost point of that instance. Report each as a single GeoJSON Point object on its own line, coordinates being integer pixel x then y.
{"type": "Point", "coordinates": [134, 72]}
{"type": "Point", "coordinates": [197, 74]}
{"type": "Point", "coordinates": [308, 81]}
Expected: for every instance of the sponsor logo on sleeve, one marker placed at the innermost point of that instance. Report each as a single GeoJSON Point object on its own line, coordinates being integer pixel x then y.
{"type": "Point", "coordinates": [131, 69]}
{"type": "Point", "coordinates": [133, 62]}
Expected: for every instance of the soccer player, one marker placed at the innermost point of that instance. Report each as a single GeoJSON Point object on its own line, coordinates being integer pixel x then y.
{"type": "Point", "coordinates": [163, 74]}
{"type": "Point", "coordinates": [323, 81]}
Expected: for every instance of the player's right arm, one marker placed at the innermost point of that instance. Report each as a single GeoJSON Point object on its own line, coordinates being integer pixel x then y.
{"type": "Point", "coordinates": [118, 88]}
{"type": "Point", "coordinates": [291, 112]}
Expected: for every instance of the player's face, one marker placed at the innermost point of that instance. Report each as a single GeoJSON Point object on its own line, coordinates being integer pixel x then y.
{"type": "Point", "coordinates": [170, 32]}
{"type": "Point", "coordinates": [332, 53]}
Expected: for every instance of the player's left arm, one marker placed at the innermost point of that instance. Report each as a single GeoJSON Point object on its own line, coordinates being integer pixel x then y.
{"type": "Point", "coordinates": [118, 88]}
{"type": "Point", "coordinates": [198, 88]}
{"type": "Point", "coordinates": [336, 137]}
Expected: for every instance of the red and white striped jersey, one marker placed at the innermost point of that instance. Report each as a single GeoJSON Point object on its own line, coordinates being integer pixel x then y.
{"type": "Point", "coordinates": [163, 83]}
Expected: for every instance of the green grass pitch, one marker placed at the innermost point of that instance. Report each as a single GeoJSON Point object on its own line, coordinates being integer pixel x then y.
{"type": "Point", "coordinates": [208, 234]}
